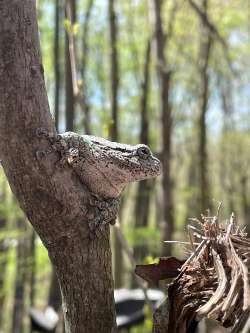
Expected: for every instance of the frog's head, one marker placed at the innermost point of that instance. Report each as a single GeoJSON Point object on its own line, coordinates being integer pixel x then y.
{"type": "Point", "coordinates": [109, 166]}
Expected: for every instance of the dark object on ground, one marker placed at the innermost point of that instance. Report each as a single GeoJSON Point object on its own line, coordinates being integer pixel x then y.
{"type": "Point", "coordinates": [130, 305]}
{"type": "Point", "coordinates": [129, 310]}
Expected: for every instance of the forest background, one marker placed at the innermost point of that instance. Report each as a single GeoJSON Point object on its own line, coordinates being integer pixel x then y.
{"type": "Point", "coordinates": [172, 74]}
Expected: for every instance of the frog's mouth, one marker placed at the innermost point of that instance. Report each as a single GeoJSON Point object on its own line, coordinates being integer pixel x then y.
{"type": "Point", "coordinates": [149, 168]}
{"type": "Point", "coordinates": [134, 168]}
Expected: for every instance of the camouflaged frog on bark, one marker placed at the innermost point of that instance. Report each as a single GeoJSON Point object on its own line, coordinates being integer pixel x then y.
{"type": "Point", "coordinates": [104, 167]}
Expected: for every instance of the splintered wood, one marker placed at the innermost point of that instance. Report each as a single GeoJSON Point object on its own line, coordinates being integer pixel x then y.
{"type": "Point", "coordinates": [214, 281]}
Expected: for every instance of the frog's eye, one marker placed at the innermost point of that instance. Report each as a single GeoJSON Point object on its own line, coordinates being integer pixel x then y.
{"type": "Point", "coordinates": [143, 152]}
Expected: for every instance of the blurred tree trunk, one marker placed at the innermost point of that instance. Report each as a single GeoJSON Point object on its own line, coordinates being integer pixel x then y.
{"type": "Point", "coordinates": [60, 327]}
{"type": "Point", "coordinates": [69, 92]}
{"type": "Point", "coordinates": [32, 256]}
{"type": "Point", "coordinates": [3, 263]}
{"type": "Point", "coordinates": [55, 201]}
{"type": "Point", "coordinates": [244, 181]}
{"type": "Point", "coordinates": [203, 67]}
{"type": "Point", "coordinates": [166, 118]}
{"type": "Point", "coordinates": [226, 173]}
{"type": "Point", "coordinates": [114, 70]}
{"type": "Point", "coordinates": [192, 208]}
{"type": "Point", "coordinates": [32, 272]}
{"type": "Point", "coordinates": [57, 69]}
{"type": "Point", "coordinates": [205, 50]}
{"type": "Point", "coordinates": [85, 49]}
{"type": "Point", "coordinates": [21, 277]}
{"type": "Point", "coordinates": [55, 299]}
{"type": "Point", "coordinates": [3, 250]}
{"type": "Point", "coordinates": [143, 194]}
{"type": "Point", "coordinates": [142, 202]}
{"type": "Point", "coordinates": [114, 131]}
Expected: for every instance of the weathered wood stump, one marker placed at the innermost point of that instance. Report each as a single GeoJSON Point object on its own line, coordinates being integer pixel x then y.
{"type": "Point", "coordinates": [212, 283]}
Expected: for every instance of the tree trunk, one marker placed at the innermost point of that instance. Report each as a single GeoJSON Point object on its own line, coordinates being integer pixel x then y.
{"type": "Point", "coordinates": [55, 200]}
{"type": "Point", "coordinates": [3, 252]}
{"type": "Point", "coordinates": [87, 120]}
{"type": "Point", "coordinates": [144, 187]}
{"type": "Point", "coordinates": [114, 71]}
{"type": "Point", "coordinates": [226, 179]}
{"type": "Point", "coordinates": [69, 92]}
{"type": "Point", "coordinates": [32, 256]}
{"type": "Point", "coordinates": [205, 48]}
{"type": "Point", "coordinates": [245, 202]}
{"type": "Point", "coordinates": [21, 277]}
{"type": "Point", "coordinates": [192, 185]}
{"type": "Point", "coordinates": [164, 79]}
{"type": "Point", "coordinates": [114, 131]}
{"type": "Point", "coordinates": [58, 19]}
{"type": "Point", "coordinates": [142, 203]}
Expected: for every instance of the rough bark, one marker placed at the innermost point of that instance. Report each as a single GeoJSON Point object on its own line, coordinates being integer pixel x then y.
{"type": "Point", "coordinates": [69, 91]}
{"type": "Point", "coordinates": [54, 200]}
{"type": "Point", "coordinates": [205, 49]}
{"type": "Point", "coordinates": [166, 118]}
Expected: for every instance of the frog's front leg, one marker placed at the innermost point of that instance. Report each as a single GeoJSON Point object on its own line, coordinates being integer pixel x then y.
{"type": "Point", "coordinates": [102, 211]}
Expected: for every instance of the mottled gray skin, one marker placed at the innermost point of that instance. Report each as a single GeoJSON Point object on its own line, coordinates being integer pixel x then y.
{"type": "Point", "coordinates": [105, 168]}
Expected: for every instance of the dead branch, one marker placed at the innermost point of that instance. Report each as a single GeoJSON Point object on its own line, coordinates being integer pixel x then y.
{"type": "Point", "coordinates": [212, 283]}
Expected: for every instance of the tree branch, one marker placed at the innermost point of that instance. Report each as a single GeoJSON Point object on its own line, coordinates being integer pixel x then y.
{"type": "Point", "coordinates": [214, 31]}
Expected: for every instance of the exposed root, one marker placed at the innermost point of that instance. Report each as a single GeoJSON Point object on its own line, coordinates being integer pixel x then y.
{"type": "Point", "coordinates": [214, 281]}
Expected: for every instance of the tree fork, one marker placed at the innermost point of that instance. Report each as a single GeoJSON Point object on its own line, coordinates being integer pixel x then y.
{"type": "Point", "coordinates": [54, 201]}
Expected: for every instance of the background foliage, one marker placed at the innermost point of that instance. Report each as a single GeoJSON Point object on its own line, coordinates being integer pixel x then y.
{"type": "Point", "coordinates": [25, 268]}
